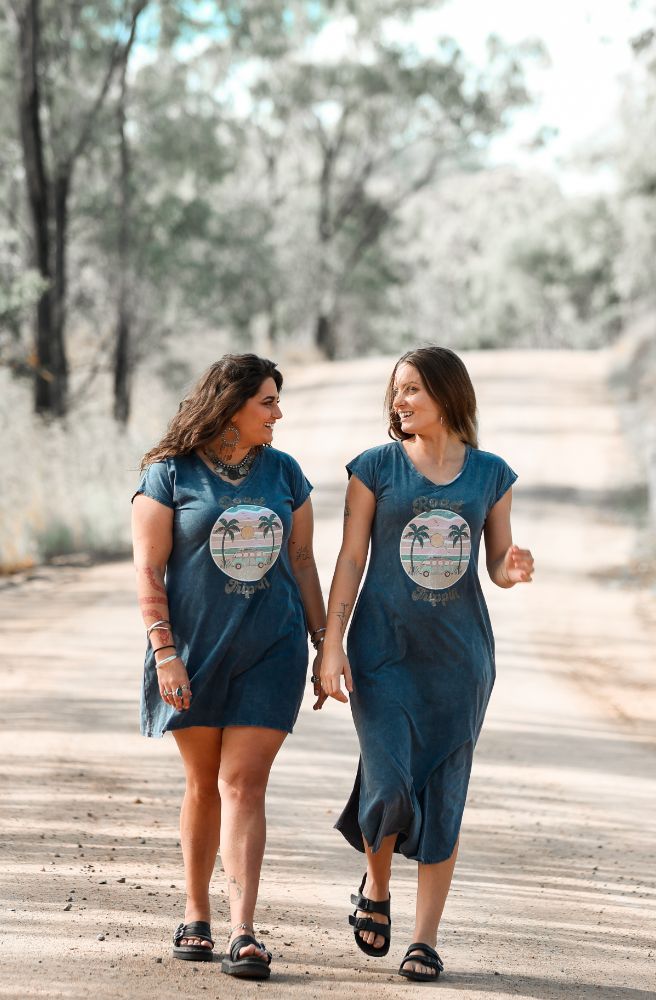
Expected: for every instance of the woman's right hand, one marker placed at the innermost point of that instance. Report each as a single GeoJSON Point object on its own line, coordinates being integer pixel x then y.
{"type": "Point", "coordinates": [334, 666]}
{"type": "Point", "coordinates": [174, 677]}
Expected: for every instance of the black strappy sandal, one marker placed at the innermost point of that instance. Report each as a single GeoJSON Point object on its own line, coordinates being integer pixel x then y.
{"type": "Point", "coordinates": [358, 924]}
{"type": "Point", "coordinates": [193, 952]}
{"type": "Point", "coordinates": [250, 966]}
{"type": "Point", "coordinates": [428, 958]}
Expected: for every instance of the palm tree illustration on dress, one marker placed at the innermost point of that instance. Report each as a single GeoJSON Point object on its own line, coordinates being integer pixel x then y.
{"type": "Point", "coordinates": [456, 534]}
{"type": "Point", "coordinates": [229, 528]}
{"type": "Point", "coordinates": [417, 534]}
{"type": "Point", "coordinates": [269, 524]}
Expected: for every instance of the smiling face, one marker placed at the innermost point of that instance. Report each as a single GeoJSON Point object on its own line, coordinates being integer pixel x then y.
{"type": "Point", "coordinates": [417, 410]}
{"type": "Point", "coordinates": [256, 418]}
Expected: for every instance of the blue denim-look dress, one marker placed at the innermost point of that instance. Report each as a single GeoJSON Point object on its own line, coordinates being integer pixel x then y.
{"type": "Point", "coordinates": [234, 605]}
{"type": "Point", "coordinates": [421, 651]}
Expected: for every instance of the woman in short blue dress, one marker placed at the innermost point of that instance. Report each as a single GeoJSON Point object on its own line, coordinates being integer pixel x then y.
{"type": "Point", "coordinates": [420, 664]}
{"type": "Point", "coordinates": [228, 588]}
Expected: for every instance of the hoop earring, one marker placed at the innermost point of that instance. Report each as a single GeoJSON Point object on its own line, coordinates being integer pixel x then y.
{"type": "Point", "coordinates": [225, 442]}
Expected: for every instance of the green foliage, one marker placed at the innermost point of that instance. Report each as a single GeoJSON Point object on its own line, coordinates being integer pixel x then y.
{"type": "Point", "coordinates": [513, 262]}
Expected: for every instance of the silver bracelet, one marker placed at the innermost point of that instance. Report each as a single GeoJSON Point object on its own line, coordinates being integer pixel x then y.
{"type": "Point", "coordinates": [155, 625]}
{"type": "Point", "coordinates": [166, 659]}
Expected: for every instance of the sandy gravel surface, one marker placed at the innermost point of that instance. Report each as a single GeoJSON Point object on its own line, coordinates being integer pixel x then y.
{"type": "Point", "coordinates": [555, 890]}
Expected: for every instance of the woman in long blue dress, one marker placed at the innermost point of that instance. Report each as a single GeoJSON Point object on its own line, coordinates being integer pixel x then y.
{"type": "Point", "coordinates": [420, 663]}
{"type": "Point", "coordinates": [228, 588]}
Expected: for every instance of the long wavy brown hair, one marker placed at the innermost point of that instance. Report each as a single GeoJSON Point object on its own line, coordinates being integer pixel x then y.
{"type": "Point", "coordinates": [447, 381]}
{"type": "Point", "coordinates": [208, 409]}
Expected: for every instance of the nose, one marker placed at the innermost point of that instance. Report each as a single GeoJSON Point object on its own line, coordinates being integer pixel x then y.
{"type": "Point", "coordinates": [277, 412]}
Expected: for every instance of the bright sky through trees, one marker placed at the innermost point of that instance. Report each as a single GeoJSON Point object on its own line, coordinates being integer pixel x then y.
{"type": "Point", "coordinates": [577, 94]}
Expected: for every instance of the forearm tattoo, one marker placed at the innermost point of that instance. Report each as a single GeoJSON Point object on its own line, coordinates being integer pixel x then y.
{"type": "Point", "coordinates": [153, 581]}
{"type": "Point", "coordinates": [303, 553]}
{"type": "Point", "coordinates": [342, 615]}
{"type": "Point", "coordinates": [164, 637]}
{"type": "Point", "coordinates": [157, 602]}
{"type": "Point", "coordinates": [347, 511]}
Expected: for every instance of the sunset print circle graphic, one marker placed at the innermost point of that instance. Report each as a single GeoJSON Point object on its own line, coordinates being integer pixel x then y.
{"type": "Point", "coordinates": [246, 541]}
{"type": "Point", "coordinates": [435, 549]}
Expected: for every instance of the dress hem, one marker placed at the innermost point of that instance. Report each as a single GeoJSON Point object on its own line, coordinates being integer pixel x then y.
{"type": "Point", "coordinates": [153, 734]}
{"type": "Point", "coordinates": [397, 850]}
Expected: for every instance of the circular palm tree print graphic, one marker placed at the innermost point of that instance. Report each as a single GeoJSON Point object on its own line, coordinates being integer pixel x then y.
{"type": "Point", "coordinates": [435, 549]}
{"type": "Point", "coordinates": [246, 541]}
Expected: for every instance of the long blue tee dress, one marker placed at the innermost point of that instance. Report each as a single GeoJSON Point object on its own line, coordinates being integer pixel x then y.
{"type": "Point", "coordinates": [234, 605]}
{"type": "Point", "coordinates": [421, 651]}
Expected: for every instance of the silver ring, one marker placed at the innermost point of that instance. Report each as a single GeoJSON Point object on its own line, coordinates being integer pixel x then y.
{"type": "Point", "coordinates": [166, 694]}
{"type": "Point", "coordinates": [185, 687]}
{"type": "Point", "coordinates": [178, 692]}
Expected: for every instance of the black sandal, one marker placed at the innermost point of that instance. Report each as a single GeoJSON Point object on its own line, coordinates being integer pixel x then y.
{"type": "Point", "coordinates": [428, 957]}
{"type": "Point", "coordinates": [193, 952]}
{"type": "Point", "coordinates": [250, 966]}
{"type": "Point", "coordinates": [358, 924]}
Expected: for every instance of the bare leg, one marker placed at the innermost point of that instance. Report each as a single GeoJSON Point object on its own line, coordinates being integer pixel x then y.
{"type": "Point", "coordinates": [200, 816]}
{"type": "Point", "coordinates": [246, 758]}
{"type": "Point", "coordinates": [433, 884]}
{"type": "Point", "coordinates": [376, 886]}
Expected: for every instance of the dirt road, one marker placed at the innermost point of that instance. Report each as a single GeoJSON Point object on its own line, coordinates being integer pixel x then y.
{"type": "Point", "coordinates": [554, 895]}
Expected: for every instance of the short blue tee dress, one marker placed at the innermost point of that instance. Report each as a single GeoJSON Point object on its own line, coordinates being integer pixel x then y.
{"type": "Point", "coordinates": [234, 605]}
{"type": "Point", "coordinates": [421, 651]}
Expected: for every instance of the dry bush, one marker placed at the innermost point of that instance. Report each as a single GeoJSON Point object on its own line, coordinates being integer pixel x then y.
{"type": "Point", "coordinates": [66, 486]}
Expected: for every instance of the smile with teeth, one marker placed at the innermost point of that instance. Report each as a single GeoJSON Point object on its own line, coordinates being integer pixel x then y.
{"type": "Point", "coordinates": [270, 426]}
{"type": "Point", "coordinates": [405, 414]}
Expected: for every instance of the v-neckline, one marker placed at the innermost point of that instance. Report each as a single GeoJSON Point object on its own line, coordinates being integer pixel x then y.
{"type": "Point", "coordinates": [431, 481]}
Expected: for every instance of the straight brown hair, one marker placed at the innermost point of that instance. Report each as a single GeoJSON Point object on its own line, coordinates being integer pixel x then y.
{"type": "Point", "coordinates": [207, 410]}
{"type": "Point", "coordinates": [447, 381]}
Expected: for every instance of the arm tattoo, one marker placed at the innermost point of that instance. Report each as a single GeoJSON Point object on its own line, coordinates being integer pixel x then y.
{"type": "Point", "coordinates": [347, 511]}
{"type": "Point", "coordinates": [342, 614]}
{"type": "Point", "coordinates": [152, 580]}
{"type": "Point", "coordinates": [303, 553]}
{"type": "Point", "coordinates": [156, 601]}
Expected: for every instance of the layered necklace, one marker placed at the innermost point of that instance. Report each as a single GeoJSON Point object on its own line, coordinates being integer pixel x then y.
{"type": "Point", "coordinates": [231, 471]}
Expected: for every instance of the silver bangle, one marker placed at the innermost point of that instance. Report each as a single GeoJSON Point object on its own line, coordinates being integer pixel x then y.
{"type": "Point", "coordinates": [167, 659]}
{"type": "Point", "coordinates": [155, 625]}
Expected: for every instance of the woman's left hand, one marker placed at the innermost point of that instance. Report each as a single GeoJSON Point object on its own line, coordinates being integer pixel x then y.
{"type": "Point", "coordinates": [518, 565]}
{"type": "Point", "coordinates": [319, 693]}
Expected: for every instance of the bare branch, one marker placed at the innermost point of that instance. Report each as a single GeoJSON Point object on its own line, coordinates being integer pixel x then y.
{"type": "Point", "coordinates": [119, 55]}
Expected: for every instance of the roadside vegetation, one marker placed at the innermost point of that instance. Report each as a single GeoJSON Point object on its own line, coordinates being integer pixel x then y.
{"type": "Point", "coordinates": [178, 179]}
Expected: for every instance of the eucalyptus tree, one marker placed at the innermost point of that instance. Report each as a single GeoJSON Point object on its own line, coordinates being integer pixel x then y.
{"type": "Point", "coordinates": [382, 118]}
{"type": "Point", "coordinates": [68, 58]}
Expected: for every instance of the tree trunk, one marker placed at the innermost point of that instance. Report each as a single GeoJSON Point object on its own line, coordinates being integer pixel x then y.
{"type": "Point", "coordinates": [325, 338]}
{"type": "Point", "coordinates": [122, 364]}
{"type": "Point", "coordinates": [61, 190]}
{"type": "Point", "coordinates": [48, 397]}
{"type": "Point", "coordinates": [324, 331]}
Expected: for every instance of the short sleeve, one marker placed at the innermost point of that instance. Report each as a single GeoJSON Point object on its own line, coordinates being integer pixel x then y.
{"type": "Point", "coordinates": [505, 478]}
{"type": "Point", "coordinates": [364, 467]}
{"type": "Point", "coordinates": [301, 487]}
{"type": "Point", "coordinates": [156, 483]}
